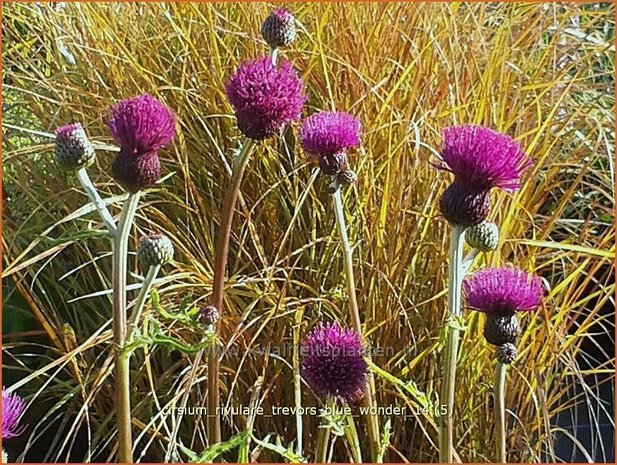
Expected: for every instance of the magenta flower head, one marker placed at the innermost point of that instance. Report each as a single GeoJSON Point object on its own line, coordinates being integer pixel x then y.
{"type": "Point", "coordinates": [13, 408]}
{"type": "Point", "coordinates": [332, 362]}
{"type": "Point", "coordinates": [503, 290]}
{"type": "Point", "coordinates": [480, 159]}
{"type": "Point", "coordinates": [329, 132]}
{"type": "Point", "coordinates": [327, 136]}
{"type": "Point", "coordinates": [141, 126]}
{"type": "Point", "coordinates": [265, 97]}
{"type": "Point", "coordinates": [500, 293]}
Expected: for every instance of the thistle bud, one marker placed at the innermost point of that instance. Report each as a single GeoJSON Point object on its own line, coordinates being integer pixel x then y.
{"type": "Point", "coordinates": [5, 457]}
{"type": "Point", "coordinates": [501, 329]}
{"type": "Point", "coordinates": [208, 315]}
{"type": "Point", "coordinates": [333, 164]}
{"type": "Point", "coordinates": [347, 177]}
{"type": "Point", "coordinates": [483, 236]}
{"type": "Point", "coordinates": [73, 148]}
{"type": "Point", "coordinates": [506, 353]}
{"type": "Point", "coordinates": [155, 249]}
{"type": "Point", "coordinates": [279, 28]}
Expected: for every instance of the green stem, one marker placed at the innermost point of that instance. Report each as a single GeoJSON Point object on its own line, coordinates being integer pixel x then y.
{"type": "Point", "coordinates": [500, 412]}
{"type": "Point", "coordinates": [153, 271]}
{"type": "Point", "coordinates": [122, 378]}
{"type": "Point", "coordinates": [369, 400]}
{"type": "Point", "coordinates": [93, 194]}
{"type": "Point", "coordinates": [222, 251]}
{"type": "Point", "coordinates": [323, 436]}
{"type": "Point", "coordinates": [298, 379]}
{"type": "Point", "coordinates": [274, 54]}
{"type": "Point", "coordinates": [449, 360]}
{"type": "Point", "coordinates": [354, 441]}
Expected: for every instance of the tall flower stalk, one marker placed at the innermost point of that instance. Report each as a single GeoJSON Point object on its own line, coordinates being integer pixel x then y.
{"type": "Point", "coordinates": [140, 126]}
{"type": "Point", "coordinates": [265, 97]}
{"type": "Point", "coordinates": [327, 136]}
{"type": "Point", "coordinates": [500, 293]}
{"type": "Point", "coordinates": [480, 159]}
{"type": "Point", "coordinates": [220, 266]}
{"type": "Point", "coordinates": [448, 386]}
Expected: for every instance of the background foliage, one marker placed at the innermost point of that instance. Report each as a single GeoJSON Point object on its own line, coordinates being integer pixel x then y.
{"type": "Point", "coordinates": [541, 72]}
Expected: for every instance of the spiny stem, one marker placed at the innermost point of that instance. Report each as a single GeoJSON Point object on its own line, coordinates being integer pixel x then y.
{"type": "Point", "coordinates": [93, 194]}
{"type": "Point", "coordinates": [449, 359]}
{"type": "Point", "coordinates": [153, 271]}
{"type": "Point", "coordinates": [500, 412]}
{"type": "Point", "coordinates": [369, 399]}
{"type": "Point", "coordinates": [222, 251]}
{"type": "Point", "coordinates": [122, 378]}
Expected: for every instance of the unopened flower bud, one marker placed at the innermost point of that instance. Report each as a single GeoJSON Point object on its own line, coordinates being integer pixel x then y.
{"type": "Point", "coordinates": [501, 329]}
{"type": "Point", "coordinates": [208, 315]}
{"type": "Point", "coordinates": [483, 236]}
{"type": "Point", "coordinates": [279, 28]}
{"type": "Point", "coordinates": [73, 148]}
{"type": "Point", "coordinates": [506, 353]}
{"type": "Point", "coordinates": [347, 177]}
{"type": "Point", "coordinates": [155, 249]}
{"type": "Point", "coordinates": [333, 164]}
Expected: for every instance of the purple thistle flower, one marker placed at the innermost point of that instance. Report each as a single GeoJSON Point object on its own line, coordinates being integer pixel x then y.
{"type": "Point", "coordinates": [503, 291]}
{"type": "Point", "coordinates": [265, 97]}
{"type": "Point", "coordinates": [328, 133]}
{"type": "Point", "coordinates": [481, 158]}
{"type": "Point", "coordinates": [13, 408]}
{"type": "Point", "coordinates": [332, 362]}
{"type": "Point", "coordinates": [141, 124]}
